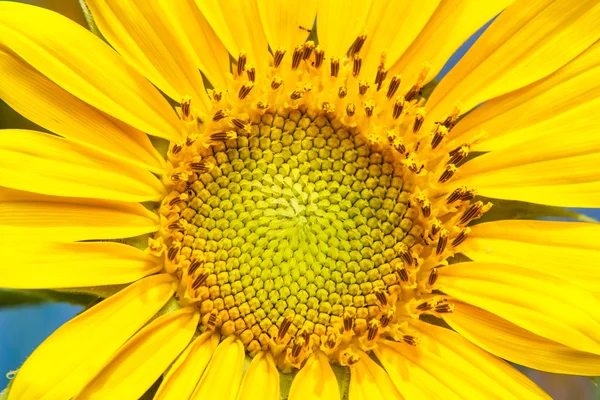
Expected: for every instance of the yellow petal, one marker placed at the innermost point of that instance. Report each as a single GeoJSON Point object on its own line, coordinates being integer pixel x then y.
{"type": "Point", "coordinates": [368, 381]}
{"type": "Point", "coordinates": [65, 362]}
{"type": "Point", "coordinates": [559, 172]}
{"type": "Point", "coordinates": [541, 303]}
{"type": "Point", "coordinates": [86, 67]}
{"type": "Point", "coordinates": [184, 374]}
{"type": "Point", "coordinates": [261, 380]}
{"type": "Point", "coordinates": [445, 365]}
{"type": "Point", "coordinates": [528, 41]}
{"type": "Point", "coordinates": [282, 19]}
{"type": "Point", "coordinates": [339, 23]}
{"type": "Point", "coordinates": [315, 380]}
{"type": "Point", "coordinates": [545, 246]}
{"type": "Point", "coordinates": [147, 36]}
{"type": "Point", "coordinates": [237, 24]}
{"type": "Point", "coordinates": [391, 27]}
{"type": "Point", "coordinates": [45, 265]}
{"type": "Point", "coordinates": [28, 216]}
{"type": "Point", "coordinates": [48, 164]}
{"type": "Point", "coordinates": [508, 341]}
{"type": "Point", "coordinates": [452, 23]}
{"type": "Point", "coordinates": [135, 367]}
{"type": "Point", "coordinates": [221, 380]}
{"type": "Point", "coordinates": [209, 53]}
{"type": "Point", "coordinates": [45, 103]}
{"type": "Point", "coordinates": [565, 100]}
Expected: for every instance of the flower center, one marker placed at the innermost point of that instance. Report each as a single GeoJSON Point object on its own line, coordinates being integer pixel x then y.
{"type": "Point", "coordinates": [309, 212]}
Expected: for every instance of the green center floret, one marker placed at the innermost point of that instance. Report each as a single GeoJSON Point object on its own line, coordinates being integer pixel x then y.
{"type": "Point", "coordinates": [298, 220]}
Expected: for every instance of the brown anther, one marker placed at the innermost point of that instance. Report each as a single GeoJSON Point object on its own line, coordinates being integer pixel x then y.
{"type": "Point", "coordinates": [251, 72]}
{"type": "Point", "coordinates": [297, 56]}
{"type": "Point", "coordinates": [190, 140]}
{"type": "Point", "coordinates": [175, 178]}
{"type": "Point", "coordinates": [472, 212]}
{"type": "Point", "coordinates": [245, 90]}
{"type": "Point", "coordinates": [186, 109]}
{"type": "Point", "coordinates": [425, 306]}
{"type": "Point", "coordinates": [172, 253]}
{"type": "Point", "coordinates": [222, 136]}
{"type": "Point", "coordinates": [335, 67]}
{"type": "Point", "coordinates": [419, 119]}
{"type": "Point", "coordinates": [426, 208]}
{"type": "Point", "coordinates": [410, 340]}
{"type": "Point", "coordinates": [398, 107]}
{"type": "Point", "coordinates": [319, 56]}
{"type": "Point", "coordinates": [469, 194]}
{"type": "Point", "coordinates": [240, 123]}
{"type": "Point", "coordinates": [176, 149]}
{"type": "Point", "coordinates": [350, 109]}
{"type": "Point", "coordinates": [308, 49]}
{"type": "Point", "coordinates": [369, 107]}
{"type": "Point", "coordinates": [297, 94]}
{"type": "Point", "coordinates": [348, 323]}
{"type": "Point", "coordinates": [220, 114]}
{"type": "Point", "coordinates": [174, 226]}
{"type": "Point", "coordinates": [393, 86]}
{"type": "Point", "coordinates": [278, 56]}
{"type": "Point", "coordinates": [358, 44]}
{"type": "Point", "coordinates": [442, 241]}
{"type": "Point", "coordinates": [327, 107]}
{"type": "Point", "coordinates": [433, 275]}
{"type": "Point", "coordinates": [458, 154]}
{"type": "Point", "coordinates": [403, 274]}
{"type": "Point", "coordinates": [439, 135]}
{"type": "Point", "coordinates": [399, 146]}
{"type": "Point", "coordinates": [262, 104]}
{"type": "Point", "coordinates": [374, 326]}
{"type": "Point", "coordinates": [386, 318]}
{"type": "Point", "coordinates": [356, 65]}
{"type": "Point", "coordinates": [381, 297]}
{"type": "Point", "coordinates": [462, 236]}
{"type": "Point", "coordinates": [363, 86]}
{"type": "Point", "coordinates": [444, 308]}
{"type": "Point", "coordinates": [276, 82]}
{"type": "Point", "coordinates": [448, 173]}
{"type": "Point", "coordinates": [455, 195]}
{"type": "Point", "coordinates": [407, 257]}
{"type": "Point", "coordinates": [380, 77]}
{"type": "Point", "coordinates": [342, 91]}
{"type": "Point", "coordinates": [285, 325]}
{"type": "Point", "coordinates": [331, 341]}
{"type": "Point", "coordinates": [199, 281]}
{"type": "Point", "coordinates": [413, 93]}
{"type": "Point", "coordinates": [217, 95]}
{"type": "Point", "coordinates": [194, 266]}
{"type": "Point", "coordinates": [175, 200]}
{"type": "Point", "coordinates": [436, 225]}
{"type": "Point", "coordinates": [241, 64]}
{"type": "Point", "coordinates": [213, 320]}
{"type": "Point", "coordinates": [299, 344]}
{"type": "Point", "coordinates": [202, 166]}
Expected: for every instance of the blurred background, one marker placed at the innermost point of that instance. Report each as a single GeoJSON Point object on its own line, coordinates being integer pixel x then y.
{"type": "Point", "coordinates": [25, 326]}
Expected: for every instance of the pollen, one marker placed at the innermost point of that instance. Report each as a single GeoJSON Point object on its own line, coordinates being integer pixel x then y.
{"type": "Point", "coordinates": [304, 211]}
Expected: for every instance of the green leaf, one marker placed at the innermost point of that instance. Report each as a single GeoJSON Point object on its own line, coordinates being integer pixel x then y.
{"type": "Point", "coordinates": [22, 297]}
{"type": "Point", "coordinates": [512, 209]}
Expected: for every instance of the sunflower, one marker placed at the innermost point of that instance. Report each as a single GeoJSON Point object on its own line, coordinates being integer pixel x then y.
{"type": "Point", "coordinates": [283, 211]}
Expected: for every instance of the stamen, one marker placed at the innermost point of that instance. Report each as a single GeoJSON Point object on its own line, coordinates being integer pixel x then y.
{"type": "Point", "coordinates": [455, 195]}
{"type": "Point", "coordinates": [433, 275]}
{"type": "Point", "coordinates": [319, 57]}
{"type": "Point", "coordinates": [194, 266]}
{"type": "Point", "coordinates": [251, 72]}
{"type": "Point", "coordinates": [462, 236]}
{"type": "Point", "coordinates": [373, 329]}
{"type": "Point", "coordinates": [240, 123]}
{"type": "Point", "coordinates": [469, 195]}
{"type": "Point", "coordinates": [357, 64]}
{"type": "Point", "coordinates": [348, 323]}
{"type": "Point", "coordinates": [440, 133]}
{"type": "Point", "coordinates": [186, 109]}
{"type": "Point", "coordinates": [219, 115]}
{"type": "Point", "coordinates": [285, 326]}
{"type": "Point", "coordinates": [276, 82]}
{"type": "Point", "coordinates": [458, 154]}
{"type": "Point", "coordinates": [363, 86]}
{"type": "Point", "coordinates": [442, 241]}
{"type": "Point", "coordinates": [297, 94]}
{"type": "Point", "coordinates": [448, 173]}
{"type": "Point", "coordinates": [297, 57]}
{"type": "Point", "coordinates": [393, 86]}
{"type": "Point", "coordinates": [402, 274]}
{"type": "Point", "coordinates": [335, 67]}
{"type": "Point", "coordinates": [308, 49]}
{"type": "Point", "coordinates": [342, 92]}
{"type": "Point", "coordinates": [176, 149]}
{"type": "Point", "coordinates": [358, 44]}
{"type": "Point", "coordinates": [172, 253]}
{"type": "Point", "coordinates": [380, 77]}
{"type": "Point", "coordinates": [350, 109]}
{"type": "Point", "coordinates": [444, 308]}
{"type": "Point", "coordinates": [199, 281]}
{"type": "Point", "coordinates": [202, 166]}
{"type": "Point", "coordinates": [475, 211]}
{"type": "Point", "coordinates": [241, 65]}
{"type": "Point", "coordinates": [398, 107]}
{"type": "Point", "coordinates": [410, 340]}
{"type": "Point", "coordinates": [278, 56]}
{"type": "Point", "coordinates": [245, 90]}
{"type": "Point", "coordinates": [369, 107]}
{"type": "Point", "coordinates": [413, 93]}
{"type": "Point", "coordinates": [222, 136]}
{"type": "Point", "coordinates": [419, 119]}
